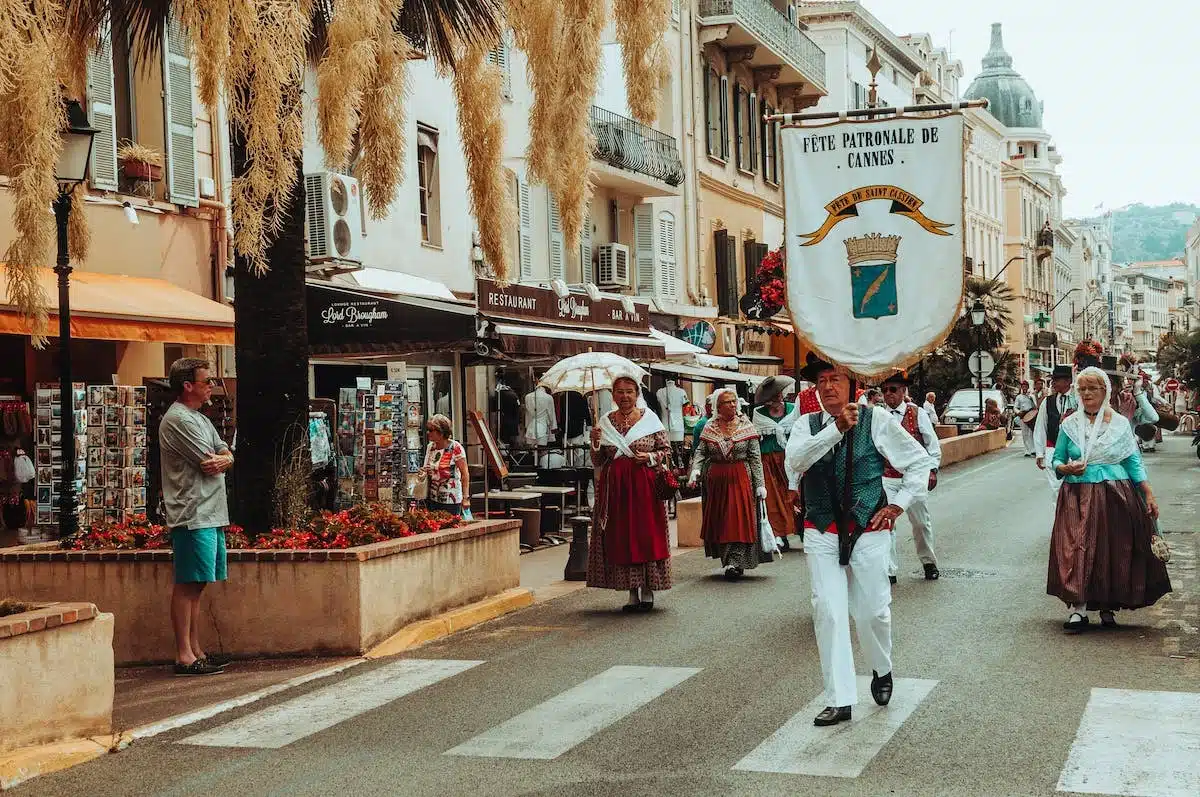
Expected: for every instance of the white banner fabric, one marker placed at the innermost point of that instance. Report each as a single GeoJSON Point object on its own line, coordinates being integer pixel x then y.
{"type": "Point", "coordinates": [875, 243]}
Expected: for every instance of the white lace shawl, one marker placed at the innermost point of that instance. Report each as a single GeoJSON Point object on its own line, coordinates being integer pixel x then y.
{"type": "Point", "coordinates": [1102, 442]}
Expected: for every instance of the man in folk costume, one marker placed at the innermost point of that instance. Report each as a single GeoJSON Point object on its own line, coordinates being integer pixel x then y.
{"type": "Point", "coordinates": [916, 422]}
{"type": "Point", "coordinates": [1026, 407]}
{"type": "Point", "coordinates": [773, 420]}
{"type": "Point", "coordinates": [1054, 408]}
{"type": "Point", "coordinates": [847, 555]}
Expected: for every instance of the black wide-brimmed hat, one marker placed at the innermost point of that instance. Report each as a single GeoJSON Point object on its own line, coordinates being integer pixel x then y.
{"type": "Point", "coordinates": [898, 378]}
{"type": "Point", "coordinates": [813, 367]}
{"type": "Point", "coordinates": [1062, 372]}
{"type": "Point", "coordinates": [771, 387]}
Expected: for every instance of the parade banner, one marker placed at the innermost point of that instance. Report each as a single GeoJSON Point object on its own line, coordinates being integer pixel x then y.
{"type": "Point", "coordinates": [875, 243]}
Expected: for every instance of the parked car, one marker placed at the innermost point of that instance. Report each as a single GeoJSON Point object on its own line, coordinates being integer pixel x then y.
{"type": "Point", "coordinates": [963, 409]}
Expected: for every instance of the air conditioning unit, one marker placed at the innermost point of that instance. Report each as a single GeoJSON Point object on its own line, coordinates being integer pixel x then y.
{"type": "Point", "coordinates": [612, 269]}
{"type": "Point", "coordinates": [332, 211]}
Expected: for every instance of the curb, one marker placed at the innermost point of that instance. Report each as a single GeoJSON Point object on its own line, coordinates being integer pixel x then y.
{"type": "Point", "coordinates": [452, 622]}
{"type": "Point", "coordinates": [26, 763]}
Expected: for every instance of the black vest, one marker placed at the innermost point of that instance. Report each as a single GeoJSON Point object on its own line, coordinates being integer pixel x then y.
{"type": "Point", "coordinates": [1053, 418]}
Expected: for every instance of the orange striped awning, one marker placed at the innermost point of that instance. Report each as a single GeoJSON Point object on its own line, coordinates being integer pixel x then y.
{"type": "Point", "coordinates": [118, 307]}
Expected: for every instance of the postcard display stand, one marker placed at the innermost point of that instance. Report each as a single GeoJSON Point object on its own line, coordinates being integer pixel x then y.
{"type": "Point", "coordinates": [48, 448]}
{"type": "Point", "coordinates": [372, 455]}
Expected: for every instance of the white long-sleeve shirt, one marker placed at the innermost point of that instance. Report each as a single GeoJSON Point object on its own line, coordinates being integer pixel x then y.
{"type": "Point", "coordinates": [925, 428]}
{"type": "Point", "coordinates": [896, 445]}
{"type": "Point", "coordinates": [1039, 425]}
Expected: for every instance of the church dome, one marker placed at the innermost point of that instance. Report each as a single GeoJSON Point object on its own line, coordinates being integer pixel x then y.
{"type": "Point", "coordinates": [1010, 98]}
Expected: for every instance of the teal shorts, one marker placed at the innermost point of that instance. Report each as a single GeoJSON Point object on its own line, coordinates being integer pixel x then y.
{"type": "Point", "coordinates": [199, 555]}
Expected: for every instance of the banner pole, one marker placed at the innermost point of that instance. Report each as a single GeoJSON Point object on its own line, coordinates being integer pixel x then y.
{"type": "Point", "coordinates": [810, 116]}
{"type": "Point", "coordinates": [845, 532]}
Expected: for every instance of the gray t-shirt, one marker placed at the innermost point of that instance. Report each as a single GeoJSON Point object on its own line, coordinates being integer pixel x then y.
{"type": "Point", "coordinates": [191, 499]}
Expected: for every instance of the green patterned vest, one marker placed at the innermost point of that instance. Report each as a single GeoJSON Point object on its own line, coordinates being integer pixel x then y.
{"type": "Point", "coordinates": [824, 483]}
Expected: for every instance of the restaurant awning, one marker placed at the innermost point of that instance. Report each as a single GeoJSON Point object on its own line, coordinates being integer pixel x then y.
{"type": "Point", "coordinates": [696, 373]}
{"type": "Point", "coordinates": [119, 307]}
{"type": "Point", "coordinates": [558, 341]}
{"type": "Point", "coordinates": [342, 320]}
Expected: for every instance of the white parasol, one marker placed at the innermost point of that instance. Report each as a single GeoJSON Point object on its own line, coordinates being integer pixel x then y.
{"type": "Point", "coordinates": [586, 373]}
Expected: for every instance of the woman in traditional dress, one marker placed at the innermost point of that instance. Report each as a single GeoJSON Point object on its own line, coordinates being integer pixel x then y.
{"type": "Point", "coordinates": [1100, 549]}
{"type": "Point", "coordinates": [629, 549]}
{"type": "Point", "coordinates": [773, 419]}
{"type": "Point", "coordinates": [729, 466]}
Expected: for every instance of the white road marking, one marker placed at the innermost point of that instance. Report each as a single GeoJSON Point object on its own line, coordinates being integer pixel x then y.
{"type": "Point", "coordinates": [840, 751]}
{"type": "Point", "coordinates": [280, 725]}
{"type": "Point", "coordinates": [1136, 744]}
{"type": "Point", "coordinates": [550, 729]}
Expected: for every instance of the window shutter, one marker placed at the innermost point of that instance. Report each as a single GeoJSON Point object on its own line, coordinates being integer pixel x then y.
{"type": "Point", "coordinates": [751, 130]}
{"type": "Point", "coordinates": [558, 265]}
{"type": "Point", "coordinates": [731, 289]}
{"type": "Point", "coordinates": [525, 212]}
{"type": "Point", "coordinates": [646, 257]}
{"type": "Point", "coordinates": [101, 92]}
{"type": "Point", "coordinates": [180, 117]}
{"type": "Point", "coordinates": [724, 117]}
{"type": "Point", "coordinates": [585, 246]}
{"type": "Point", "coordinates": [726, 299]}
{"type": "Point", "coordinates": [675, 10]}
{"type": "Point", "coordinates": [709, 122]}
{"type": "Point", "coordinates": [749, 250]}
{"type": "Point", "coordinates": [667, 261]}
{"type": "Point", "coordinates": [499, 57]}
{"type": "Point", "coordinates": [739, 140]}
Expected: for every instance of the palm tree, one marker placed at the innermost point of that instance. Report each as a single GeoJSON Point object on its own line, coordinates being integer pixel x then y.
{"type": "Point", "coordinates": [271, 347]}
{"type": "Point", "coordinates": [997, 298]}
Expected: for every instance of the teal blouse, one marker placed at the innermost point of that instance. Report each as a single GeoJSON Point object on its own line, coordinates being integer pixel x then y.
{"type": "Point", "coordinates": [1129, 469]}
{"type": "Point", "coordinates": [770, 444]}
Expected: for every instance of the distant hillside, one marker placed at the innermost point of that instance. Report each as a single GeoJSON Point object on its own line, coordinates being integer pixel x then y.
{"type": "Point", "coordinates": [1142, 232]}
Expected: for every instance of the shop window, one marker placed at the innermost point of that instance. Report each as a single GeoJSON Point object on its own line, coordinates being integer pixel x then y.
{"type": "Point", "coordinates": [428, 185]}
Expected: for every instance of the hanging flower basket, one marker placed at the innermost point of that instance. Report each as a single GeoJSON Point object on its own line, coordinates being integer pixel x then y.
{"type": "Point", "coordinates": [768, 294]}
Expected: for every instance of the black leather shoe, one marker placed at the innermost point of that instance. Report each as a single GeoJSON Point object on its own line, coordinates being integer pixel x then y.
{"type": "Point", "coordinates": [881, 688]}
{"type": "Point", "coordinates": [733, 573]}
{"type": "Point", "coordinates": [784, 545]}
{"type": "Point", "coordinates": [891, 579]}
{"type": "Point", "coordinates": [1077, 622]}
{"type": "Point", "coordinates": [832, 716]}
{"type": "Point", "coordinates": [932, 573]}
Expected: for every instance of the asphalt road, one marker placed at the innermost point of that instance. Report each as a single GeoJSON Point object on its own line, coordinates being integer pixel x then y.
{"type": "Point", "coordinates": [1010, 692]}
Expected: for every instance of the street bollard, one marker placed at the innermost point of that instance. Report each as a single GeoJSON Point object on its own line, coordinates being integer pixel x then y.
{"type": "Point", "coordinates": [576, 569]}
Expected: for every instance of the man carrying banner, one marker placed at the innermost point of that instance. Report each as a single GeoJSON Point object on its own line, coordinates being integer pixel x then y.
{"type": "Point", "coordinates": [914, 421]}
{"type": "Point", "coordinates": [842, 451]}
{"type": "Point", "coordinates": [1049, 417]}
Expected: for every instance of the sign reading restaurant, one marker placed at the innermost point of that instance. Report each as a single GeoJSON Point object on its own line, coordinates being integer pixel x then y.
{"type": "Point", "coordinates": [533, 303]}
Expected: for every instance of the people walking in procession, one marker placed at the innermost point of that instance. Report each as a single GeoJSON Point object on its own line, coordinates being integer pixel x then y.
{"type": "Point", "coordinates": [728, 465]}
{"type": "Point", "coordinates": [1050, 414]}
{"type": "Point", "coordinates": [629, 548]}
{"type": "Point", "coordinates": [914, 421]}
{"type": "Point", "coordinates": [817, 450]}
{"type": "Point", "coordinates": [1026, 407]}
{"type": "Point", "coordinates": [773, 419]}
{"type": "Point", "coordinates": [1102, 548]}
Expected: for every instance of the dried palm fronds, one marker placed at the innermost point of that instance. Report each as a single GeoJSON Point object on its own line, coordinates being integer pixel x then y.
{"type": "Point", "coordinates": [477, 86]}
{"type": "Point", "coordinates": [79, 38]}
{"type": "Point", "coordinates": [79, 234]}
{"type": "Point", "coordinates": [31, 116]}
{"type": "Point", "coordinates": [583, 23]}
{"type": "Point", "coordinates": [208, 23]}
{"type": "Point", "coordinates": [383, 125]}
{"type": "Point", "coordinates": [641, 25]}
{"type": "Point", "coordinates": [356, 34]}
{"type": "Point", "coordinates": [538, 30]}
{"type": "Point", "coordinates": [133, 151]}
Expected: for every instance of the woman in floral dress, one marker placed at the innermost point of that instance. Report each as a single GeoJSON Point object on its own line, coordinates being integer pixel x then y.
{"type": "Point", "coordinates": [629, 548]}
{"type": "Point", "coordinates": [728, 463]}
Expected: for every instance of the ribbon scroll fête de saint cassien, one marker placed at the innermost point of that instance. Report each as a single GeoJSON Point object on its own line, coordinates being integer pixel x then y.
{"type": "Point", "coordinates": [875, 245]}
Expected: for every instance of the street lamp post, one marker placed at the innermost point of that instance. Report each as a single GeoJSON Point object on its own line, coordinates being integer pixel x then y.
{"type": "Point", "coordinates": [978, 313]}
{"type": "Point", "coordinates": [70, 171]}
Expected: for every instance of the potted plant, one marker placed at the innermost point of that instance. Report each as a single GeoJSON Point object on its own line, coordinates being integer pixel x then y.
{"type": "Point", "coordinates": [140, 163]}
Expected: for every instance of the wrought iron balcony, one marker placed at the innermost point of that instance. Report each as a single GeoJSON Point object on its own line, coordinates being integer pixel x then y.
{"type": "Point", "coordinates": [770, 27]}
{"type": "Point", "coordinates": [1045, 238]}
{"type": "Point", "coordinates": [627, 144]}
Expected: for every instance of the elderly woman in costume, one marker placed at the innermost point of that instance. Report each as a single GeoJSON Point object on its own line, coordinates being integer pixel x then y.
{"type": "Point", "coordinates": [629, 549]}
{"type": "Point", "coordinates": [730, 465]}
{"type": "Point", "coordinates": [773, 419]}
{"type": "Point", "coordinates": [1101, 556]}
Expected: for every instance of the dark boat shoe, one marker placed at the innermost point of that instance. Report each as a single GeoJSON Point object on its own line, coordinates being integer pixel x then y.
{"type": "Point", "coordinates": [881, 688]}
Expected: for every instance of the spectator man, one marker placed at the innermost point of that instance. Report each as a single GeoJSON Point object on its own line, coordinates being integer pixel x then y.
{"type": "Point", "coordinates": [931, 407]}
{"type": "Point", "coordinates": [194, 461]}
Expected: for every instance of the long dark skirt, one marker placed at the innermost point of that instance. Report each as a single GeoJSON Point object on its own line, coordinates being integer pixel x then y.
{"type": "Point", "coordinates": [730, 517]}
{"type": "Point", "coordinates": [1100, 549]}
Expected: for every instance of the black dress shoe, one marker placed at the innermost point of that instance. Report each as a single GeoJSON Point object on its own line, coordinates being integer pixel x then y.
{"type": "Point", "coordinates": [784, 545]}
{"type": "Point", "coordinates": [832, 716]}
{"type": "Point", "coordinates": [1076, 623]}
{"type": "Point", "coordinates": [646, 606]}
{"type": "Point", "coordinates": [932, 573]}
{"type": "Point", "coordinates": [891, 579]}
{"type": "Point", "coordinates": [631, 607]}
{"type": "Point", "coordinates": [733, 573]}
{"type": "Point", "coordinates": [881, 688]}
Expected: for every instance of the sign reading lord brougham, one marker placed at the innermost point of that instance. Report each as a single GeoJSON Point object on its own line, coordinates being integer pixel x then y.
{"type": "Point", "coordinates": [875, 244]}
{"type": "Point", "coordinates": [532, 303]}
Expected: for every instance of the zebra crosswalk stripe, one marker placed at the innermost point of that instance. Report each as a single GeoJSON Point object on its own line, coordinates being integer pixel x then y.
{"type": "Point", "coordinates": [841, 751]}
{"type": "Point", "coordinates": [550, 729]}
{"type": "Point", "coordinates": [282, 724]}
{"type": "Point", "coordinates": [1134, 743]}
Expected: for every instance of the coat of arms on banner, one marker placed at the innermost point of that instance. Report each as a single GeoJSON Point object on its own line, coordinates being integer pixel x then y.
{"type": "Point", "coordinates": [875, 242]}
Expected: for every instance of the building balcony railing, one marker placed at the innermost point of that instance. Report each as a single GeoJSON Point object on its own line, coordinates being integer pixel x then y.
{"type": "Point", "coordinates": [630, 145]}
{"type": "Point", "coordinates": [770, 27]}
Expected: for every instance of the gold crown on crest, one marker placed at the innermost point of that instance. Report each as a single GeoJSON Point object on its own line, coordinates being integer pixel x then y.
{"type": "Point", "coordinates": [872, 247]}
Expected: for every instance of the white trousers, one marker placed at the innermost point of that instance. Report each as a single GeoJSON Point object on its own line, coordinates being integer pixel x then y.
{"type": "Point", "coordinates": [922, 529]}
{"type": "Point", "coordinates": [1027, 438]}
{"type": "Point", "coordinates": [860, 589]}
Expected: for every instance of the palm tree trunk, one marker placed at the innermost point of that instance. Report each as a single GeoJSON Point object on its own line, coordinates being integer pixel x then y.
{"type": "Point", "coordinates": [271, 350]}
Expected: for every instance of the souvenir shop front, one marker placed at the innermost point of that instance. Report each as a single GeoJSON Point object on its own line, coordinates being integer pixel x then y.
{"type": "Point", "coordinates": [125, 333]}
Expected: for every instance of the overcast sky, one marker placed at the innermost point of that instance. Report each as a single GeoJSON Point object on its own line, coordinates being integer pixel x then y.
{"type": "Point", "coordinates": [1117, 80]}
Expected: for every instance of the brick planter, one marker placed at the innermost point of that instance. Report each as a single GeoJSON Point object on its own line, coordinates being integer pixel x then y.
{"type": "Point", "coordinates": [56, 674]}
{"type": "Point", "coordinates": [280, 603]}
